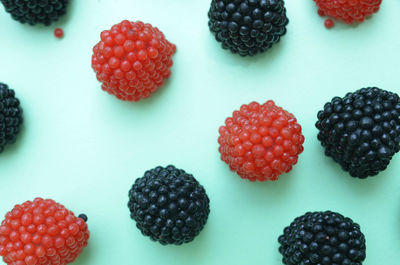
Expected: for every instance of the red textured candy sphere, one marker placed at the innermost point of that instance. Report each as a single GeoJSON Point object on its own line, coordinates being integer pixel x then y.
{"type": "Point", "coordinates": [132, 60]}
{"type": "Point", "coordinates": [349, 11]}
{"type": "Point", "coordinates": [42, 232]}
{"type": "Point", "coordinates": [260, 142]}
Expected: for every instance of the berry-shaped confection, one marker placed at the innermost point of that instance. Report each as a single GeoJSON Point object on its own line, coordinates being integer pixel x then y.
{"type": "Point", "coordinates": [132, 60]}
{"type": "Point", "coordinates": [42, 232]}
{"type": "Point", "coordinates": [247, 27]}
{"type": "Point", "coordinates": [10, 116]}
{"type": "Point", "coordinates": [36, 11]}
{"type": "Point", "coordinates": [349, 11]}
{"type": "Point", "coordinates": [169, 205]}
{"type": "Point", "coordinates": [361, 131]}
{"type": "Point", "coordinates": [323, 238]}
{"type": "Point", "coordinates": [260, 142]}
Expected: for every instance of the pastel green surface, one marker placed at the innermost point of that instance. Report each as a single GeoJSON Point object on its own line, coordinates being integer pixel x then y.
{"type": "Point", "coordinates": [84, 148]}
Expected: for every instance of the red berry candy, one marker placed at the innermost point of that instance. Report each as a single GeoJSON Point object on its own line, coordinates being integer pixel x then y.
{"type": "Point", "coordinates": [260, 142]}
{"type": "Point", "coordinates": [132, 60]}
{"type": "Point", "coordinates": [59, 33]}
{"type": "Point", "coordinates": [42, 232]}
{"type": "Point", "coordinates": [349, 11]}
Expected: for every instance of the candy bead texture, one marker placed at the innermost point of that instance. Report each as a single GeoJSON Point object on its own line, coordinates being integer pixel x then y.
{"type": "Point", "coordinates": [322, 238]}
{"type": "Point", "coordinates": [169, 205]}
{"type": "Point", "coordinates": [247, 27]}
{"type": "Point", "coordinates": [132, 60]}
{"type": "Point", "coordinates": [42, 232]}
{"type": "Point", "coordinates": [260, 142]}
{"type": "Point", "coordinates": [36, 11]}
{"type": "Point", "coordinates": [350, 11]}
{"type": "Point", "coordinates": [361, 131]}
{"type": "Point", "coordinates": [10, 116]}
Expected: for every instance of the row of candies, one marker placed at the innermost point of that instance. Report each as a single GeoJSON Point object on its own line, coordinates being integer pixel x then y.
{"type": "Point", "coordinates": [133, 59]}
{"type": "Point", "coordinates": [361, 131]}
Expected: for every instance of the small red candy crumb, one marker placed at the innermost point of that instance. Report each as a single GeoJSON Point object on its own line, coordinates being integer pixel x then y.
{"type": "Point", "coordinates": [42, 232]}
{"type": "Point", "coordinates": [329, 23]}
{"type": "Point", "coordinates": [59, 33]}
{"type": "Point", "coordinates": [260, 142]}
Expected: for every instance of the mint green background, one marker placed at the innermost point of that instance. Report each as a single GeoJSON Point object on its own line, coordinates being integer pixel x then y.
{"type": "Point", "coordinates": [84, 148]}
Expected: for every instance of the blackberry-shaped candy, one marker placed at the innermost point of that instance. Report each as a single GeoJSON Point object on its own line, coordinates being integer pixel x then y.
{"type": "Point", "coordinates": [42, 232]}
{"type": "Point", "coordinates": [247, 27]}
{"type": "Point", "coordinates": [10, 116]}
{"type": "Point", "coordinates": [260, 142]}
{"type": "Point", "coordinates": [169, 205]}
{"type": "Point", "coordinates": [361, 131]}
{"type": "Point", "coordinates": [350, 11]}
{"type": "Point", "coordinates": [36, 11]}
{"type": "Point", "coordinates": [323, 238]}
{"type": "Point", "coordinates": [132, 60]}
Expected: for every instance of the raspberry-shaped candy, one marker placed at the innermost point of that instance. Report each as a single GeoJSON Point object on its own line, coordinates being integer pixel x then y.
{"type": "Point", "coordinates": [247, 27]}
{"type": "Point", "coordinates": [361, 131]}
{"type": "Point", "coordinates": [42, 232]}
{"type": "Point", "coordinates": [260, 142]}
{"type": "Point", "coordinates": [10, 116]}
{"type": "Point", "coordinates": [323, 238]}
{"type": "Point", "coordinates": [349, 11]}
{"type": "Point", "coordinates": [169, 205]}
{"type": "Point", "coordinates": [132, 60]}
{"type": "Point", "coordinates": [36, 11]}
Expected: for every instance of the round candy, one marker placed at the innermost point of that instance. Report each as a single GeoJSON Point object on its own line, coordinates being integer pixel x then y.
{"type": "Point", "coordinates": [169, 205]}
{"type": "Point", "coordinates": [10, 116]}
{"type": "Point", "coordinates": [132, 60]}
{"type": "Point", "coordinates": [42, 232]}
{"type": "Point", "coordinates": [361, 131]}
{"type": "Point", "coordinates": [260, 142]}
{"type": "Point", "coordinates": [322, 238]}
{"type": "Point", "coordinates": [247, 27]}
{"type": "Point", "coordinates": [36, 11]}
{"type": "Point", "coordinates": [349, 11]}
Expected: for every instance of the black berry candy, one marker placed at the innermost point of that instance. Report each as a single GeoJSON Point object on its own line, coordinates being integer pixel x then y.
{"type": "Point", "coordinates": [169, 205]}
{"type": "Point", "coordinates": [10, 116]}
{"type": "Point", "coordinates": [361, 131]}
{"type": "Point", "coordinates": [36, 11]}
{"type": "Point", "coordinates": [323, 238]}
{"type": "Point", "coordinates": [247, 27]}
